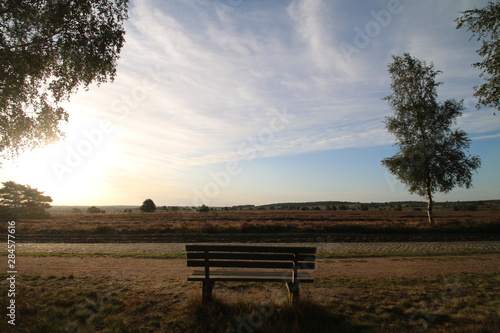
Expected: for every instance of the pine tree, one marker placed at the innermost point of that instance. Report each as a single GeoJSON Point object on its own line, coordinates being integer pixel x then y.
{"type": "Point", "coordinates": [23, 201]}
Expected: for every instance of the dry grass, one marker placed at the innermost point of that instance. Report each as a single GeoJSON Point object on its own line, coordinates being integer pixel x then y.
{"type": "Point", "coordinates": [254, 222]}
{"type": "Point", "coordinates": [457, 303]}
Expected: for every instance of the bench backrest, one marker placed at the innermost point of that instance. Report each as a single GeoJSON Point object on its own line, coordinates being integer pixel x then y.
{"type": "Point", "coordinates": [244, 256]}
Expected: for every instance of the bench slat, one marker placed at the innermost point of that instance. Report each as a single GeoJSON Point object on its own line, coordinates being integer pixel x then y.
{"type": "Point", "coordinates": [251, 256]}
{"type": "Point", "coordinates": [250, 276]}
{"type": "Point", "coordinates": [251, 264]}
{"type": "Point", "coordinates": [241, 264]}
{"type": "Point", "coordinates": [251, 248]}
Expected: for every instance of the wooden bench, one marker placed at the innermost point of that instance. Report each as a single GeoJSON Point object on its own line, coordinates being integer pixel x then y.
{"type": "Point", "coordinates": [287, 264]}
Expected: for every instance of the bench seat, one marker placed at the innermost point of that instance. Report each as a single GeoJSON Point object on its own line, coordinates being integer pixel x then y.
{"type": "Point", "coordinates": [255, 276]}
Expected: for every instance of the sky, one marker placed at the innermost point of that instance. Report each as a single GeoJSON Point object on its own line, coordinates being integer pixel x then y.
{"type": "Point", "coordinates": [231, 102]}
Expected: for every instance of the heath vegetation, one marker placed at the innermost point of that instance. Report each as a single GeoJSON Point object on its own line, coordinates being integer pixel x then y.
{"type": "Point", "coordinates": [298, 223]}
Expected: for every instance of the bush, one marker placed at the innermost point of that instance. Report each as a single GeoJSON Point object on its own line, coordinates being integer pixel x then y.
{"type": "Point", "coordinates": [94, 210]}
{"type": "Point", "coordinates": [148, 206]}
{"type": "Point", "coordinates": [203, 209]}
{"type": "Point", "coordinates": [466, 207]}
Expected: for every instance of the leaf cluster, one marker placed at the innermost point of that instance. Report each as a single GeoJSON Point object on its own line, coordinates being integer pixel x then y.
{"type": "Point", "coordinates": [485, 27]}
{"type": "Point", "coordinates": [48, 49]}
{"type": "Point", "coordinates": [431, 156]}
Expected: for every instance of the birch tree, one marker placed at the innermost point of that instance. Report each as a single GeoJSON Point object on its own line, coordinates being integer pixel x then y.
{"type": "Point", "coordinates": [48, 49]}
{"type": "Point", "coordinates": [433, 156]}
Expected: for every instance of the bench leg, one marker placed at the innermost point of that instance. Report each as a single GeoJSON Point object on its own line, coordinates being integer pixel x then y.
{"type": "Point", "coordinates": [293, 290]}
{"type": "Point", "coordinates": [207, 287]}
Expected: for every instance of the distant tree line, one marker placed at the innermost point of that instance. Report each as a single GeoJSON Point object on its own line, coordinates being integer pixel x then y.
{"type": "Point", "coordinates": [313, 206]}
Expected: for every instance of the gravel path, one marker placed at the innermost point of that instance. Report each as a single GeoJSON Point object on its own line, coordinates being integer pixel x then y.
{"type": "Point", "coordinates": [161, 271]}
{"type": "Point", "coordinates": [321, 246]}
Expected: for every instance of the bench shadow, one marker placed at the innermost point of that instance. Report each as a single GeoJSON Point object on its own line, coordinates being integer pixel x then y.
{"type": "Point", "coordinates": [251, 317]}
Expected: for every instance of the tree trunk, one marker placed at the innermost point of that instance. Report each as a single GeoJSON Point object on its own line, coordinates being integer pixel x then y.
{"type": "Point", "coordinates": [430, 204]}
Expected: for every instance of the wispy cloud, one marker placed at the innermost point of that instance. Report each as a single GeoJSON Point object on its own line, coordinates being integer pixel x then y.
{"type": "Point", "coordinates": [222, 68]}
{"type": "Point", "coordinates": [203, 82]}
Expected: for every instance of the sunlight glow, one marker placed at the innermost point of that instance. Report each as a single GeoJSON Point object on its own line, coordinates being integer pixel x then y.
{"type": "Point", "coordinates": [260, 103]}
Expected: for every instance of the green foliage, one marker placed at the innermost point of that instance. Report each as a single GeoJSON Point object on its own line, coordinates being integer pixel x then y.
{"type": "Point", "coordinates": [23, 201]}
{"type": "Point", "coordinates": [48, 49]}
{"type": "Point", "coordinates": [485, 25]}
{"type": "Point", "coordinates": [148, 206]}
{"type": "Point", "coordinates": [471, 207]}
{"type": "Point", "coordinates": [431, 155]}
{"type": "Point", "coordinates": [94, 210]}
{"type": "Point", "coordinates": [204, 209]}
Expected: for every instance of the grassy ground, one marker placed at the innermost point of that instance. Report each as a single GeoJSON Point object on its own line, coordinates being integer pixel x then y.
{"type": "Point", "coordinates": [271, 222]}
{"type": "Point", "coordinates": [459, 303]}
{"type": "Point", "coordinates": [453, 303]}
{"type": "Point", "coordinates": [324, 255]}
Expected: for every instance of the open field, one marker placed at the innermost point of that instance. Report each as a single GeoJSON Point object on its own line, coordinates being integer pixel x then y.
{"type": "Point", "coordinates": [412, 286]}
{"type": "Point", "coordinates": [254, 224]}
{"type": "Point", "coordinates": [394, 294]}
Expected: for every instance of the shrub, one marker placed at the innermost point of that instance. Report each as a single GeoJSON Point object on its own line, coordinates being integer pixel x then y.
{"type": "Point", "coordinates": [94, 210]}
{"type": "Point", "coordinates": [203, 209]}
{"type": "Point", "coordinates": [148, 206]}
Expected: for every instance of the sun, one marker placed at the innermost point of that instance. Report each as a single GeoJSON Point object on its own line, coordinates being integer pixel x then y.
{"type": "Point", "coordinates": [36, 169]}
{"type": "Point", "coordinates": [72, 171]}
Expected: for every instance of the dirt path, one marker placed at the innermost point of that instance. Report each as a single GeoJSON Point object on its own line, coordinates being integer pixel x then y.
{"type": "Point", "coordinates": [322, 244]}
{"type": "Point", "coordinates": [162, 270]}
